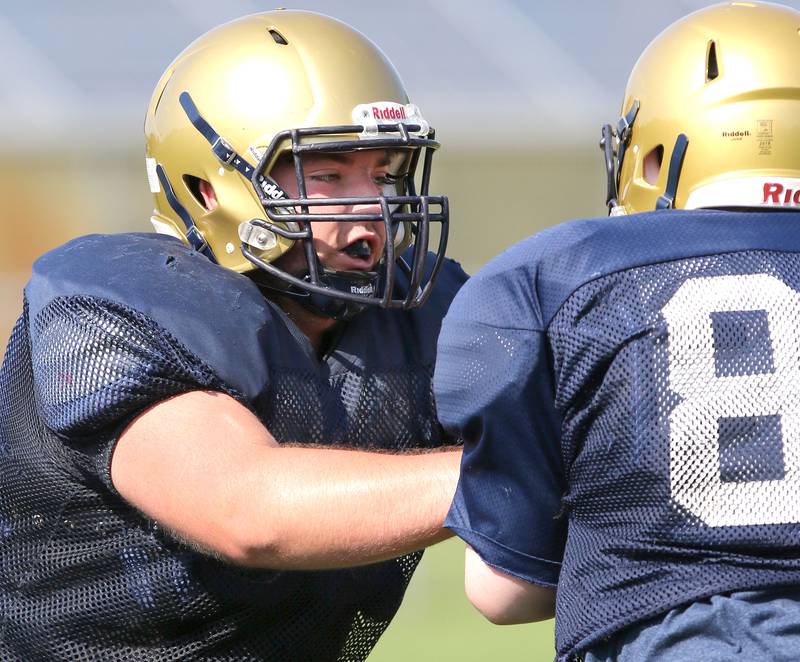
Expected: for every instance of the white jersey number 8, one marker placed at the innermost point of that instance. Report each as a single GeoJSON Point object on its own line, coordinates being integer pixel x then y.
{"type": "Point", "coordinates": [695, 471]}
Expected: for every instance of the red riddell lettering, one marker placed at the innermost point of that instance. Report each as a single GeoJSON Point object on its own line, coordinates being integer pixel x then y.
{"type": "Point", "coordinates": [391, 113]}
{"type": "Point", "coordinates": [773, 190]}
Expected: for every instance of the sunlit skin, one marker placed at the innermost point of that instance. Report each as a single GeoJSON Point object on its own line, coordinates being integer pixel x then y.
{"type": "Point", "coordinates": [364, 173]}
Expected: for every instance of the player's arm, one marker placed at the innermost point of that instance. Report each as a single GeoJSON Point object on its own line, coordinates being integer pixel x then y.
{"type": "Point", "coordinates": [508, 504]}
{"type": "Point", "coordinates": [505, 599]}
{"type": "Point", "coordinates": [204, 466]}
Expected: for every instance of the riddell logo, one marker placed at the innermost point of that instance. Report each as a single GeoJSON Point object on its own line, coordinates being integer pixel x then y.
{"type": "Point", "coordinates": [779, 194]}
{"type": "Point", "coordinates": [390, 113]}
{"type": "Point", "coordinates": [272, 190]}
{"type": "Point", "coordinates": [735, 134]}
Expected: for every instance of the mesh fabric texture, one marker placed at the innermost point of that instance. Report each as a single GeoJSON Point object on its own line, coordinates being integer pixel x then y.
{"type": "Point", "coordinates": [678, 384]}
{"type": "Point", "coordinates": [85, 577]}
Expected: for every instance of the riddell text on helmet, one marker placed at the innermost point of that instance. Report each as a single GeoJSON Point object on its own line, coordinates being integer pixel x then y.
{"type": "Point", "coordinates": [389, 113]}
{"type": "Point", "coordinates": [271, 189]}
{"type": "Point", "coordinates": [773, 191]}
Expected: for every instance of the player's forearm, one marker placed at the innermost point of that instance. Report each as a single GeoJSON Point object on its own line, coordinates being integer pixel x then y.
{"type": "Point", "coordinates": [326, 508]}
{"type": "Point", "coordinates": [205, 467]}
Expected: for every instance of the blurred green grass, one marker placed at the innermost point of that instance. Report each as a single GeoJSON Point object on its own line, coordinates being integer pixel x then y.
{"type": "Point", "coordinates": [436, 622]}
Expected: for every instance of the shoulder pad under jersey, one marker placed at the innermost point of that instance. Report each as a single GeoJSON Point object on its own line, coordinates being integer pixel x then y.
{"type": "Point", "coordinates": [218, 315]}
{"type": "Point", "coordinates": [559, 260]}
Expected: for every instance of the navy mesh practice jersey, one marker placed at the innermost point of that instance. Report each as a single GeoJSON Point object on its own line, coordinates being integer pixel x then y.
{"type": "Point", "coordinates": [629, 394]}
{"type": "Point", "coordinates": [113, 324]}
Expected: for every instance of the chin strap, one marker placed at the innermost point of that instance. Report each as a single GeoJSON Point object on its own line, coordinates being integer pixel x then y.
{"type": "Point", "coordinates": [667, 200]}
{"type": "Point", "coordinates": [367, 284]}
{"type": "Point", "coordinates": [614, 143]}
{"type": "Point", "coordinates": [193, 235]}
{"type": "Point", "coordinates": [320, 304]}
{"type": "Point", "coordinates": [339, 309]}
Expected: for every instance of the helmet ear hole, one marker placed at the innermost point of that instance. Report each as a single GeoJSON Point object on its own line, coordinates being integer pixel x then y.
{"type": "Point", "coordinates": [201, 191]}
{"type": "Point", "coordinates": [712, 69]}
{"type": "Point", "coordinates": [651, 166]}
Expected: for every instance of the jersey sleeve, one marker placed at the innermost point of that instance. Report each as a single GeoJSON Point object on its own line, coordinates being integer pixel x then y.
{"type": "Point", "coordinates": [96, 364]}
{"type": "Point", "coordinates": [494, 388]}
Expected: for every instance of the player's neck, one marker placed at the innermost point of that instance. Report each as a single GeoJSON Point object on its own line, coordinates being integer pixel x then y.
{"type": "Point", "coordinates": [319, 330]}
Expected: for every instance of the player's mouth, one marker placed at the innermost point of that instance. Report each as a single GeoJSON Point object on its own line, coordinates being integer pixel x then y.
{"type": "Point", "coordinates": [361, 254]}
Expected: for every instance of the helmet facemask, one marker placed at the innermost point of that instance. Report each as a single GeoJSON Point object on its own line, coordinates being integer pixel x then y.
{"type": "Point", "coordinates": [406, 216]}
{"type": "Point", "coordinates": [229, 109]}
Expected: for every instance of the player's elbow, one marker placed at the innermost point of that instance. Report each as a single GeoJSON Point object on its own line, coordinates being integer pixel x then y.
{"type": "Point", "coordinates": [508, 610]}
{"type": "Point", "coordinates": [488, 606]}
{"type": "Point", "coordinates": [514, 615]}
{"type": "Point", "coordinates": [254, 543]}
{"type": "Point", "coordinates": [245, 537]}
{"type": "Point", "coordinates": [243, 550]}
{"type": "Point", "coordinates": [504, 599]}
{"type": "Point", "coordinates": [263, 533]}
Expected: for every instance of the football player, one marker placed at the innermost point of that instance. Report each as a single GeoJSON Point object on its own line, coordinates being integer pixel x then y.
{"type": "Point", "coordinates": [168, 401]}
{"type": "Point", "coordinates": [629, 388]}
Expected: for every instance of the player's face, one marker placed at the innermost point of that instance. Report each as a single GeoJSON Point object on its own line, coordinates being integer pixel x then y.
{"type": "Point", "coordinates": [366, 173]}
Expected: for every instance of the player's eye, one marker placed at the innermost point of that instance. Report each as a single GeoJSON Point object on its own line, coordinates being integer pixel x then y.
{"type": "Point", "coordinates": [390, 179]}
{"type": "Point", "coordinates": [324, 177]}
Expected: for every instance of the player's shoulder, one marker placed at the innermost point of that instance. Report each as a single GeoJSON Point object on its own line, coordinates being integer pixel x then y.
{"type": "Point", "coordinates": [215, 313]}
{"type": "Point", "coordinates": [505, 291]}
{"type": "Point", "coordinates": [597, 245]}
{"type": "Point", "coordinates": [523, 286]}
{"type": "Point", "coordinates": [153, 274]}
{"type": "Point", "coordinates": [539, 273]}
{"type": "Point", "coordinates": [563, 246]}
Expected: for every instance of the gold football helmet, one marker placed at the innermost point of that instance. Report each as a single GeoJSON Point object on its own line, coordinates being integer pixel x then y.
{"type": "Point", "coordinates": [711, 114]}
{"type": "Point", "coordinates": [289, 83]}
